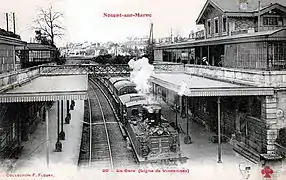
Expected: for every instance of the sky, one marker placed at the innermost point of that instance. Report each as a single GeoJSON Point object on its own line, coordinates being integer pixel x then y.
{"type": "Point", "coordinates": [84, 20]}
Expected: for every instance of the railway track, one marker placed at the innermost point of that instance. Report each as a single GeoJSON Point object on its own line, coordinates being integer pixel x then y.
{"type": "Point", "coordinates": [106, 148]}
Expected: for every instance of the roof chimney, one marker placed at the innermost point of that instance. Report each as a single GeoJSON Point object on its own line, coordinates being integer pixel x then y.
{"type": "Point", "coordinates": [243, 5]}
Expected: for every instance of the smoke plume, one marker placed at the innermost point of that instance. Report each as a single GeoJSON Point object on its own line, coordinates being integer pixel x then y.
{"type": "Point", "coordinates": [183, 88]}
{"type": "Point", "coordinates": [141, 73]}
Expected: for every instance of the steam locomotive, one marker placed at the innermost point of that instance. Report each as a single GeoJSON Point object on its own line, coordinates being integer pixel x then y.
{"type": "Point", "coordinates": [152, 137]}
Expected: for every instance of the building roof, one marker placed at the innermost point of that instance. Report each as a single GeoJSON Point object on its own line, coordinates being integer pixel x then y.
{"type": "Point", "coordinates": [252, 5]}
{"type": "Point", "coordinates": [114, 80]}
{"type": "Point", "coordinates": [132, 97]}
{"type": "Point", "coordinates": [120, 84]}
{"type": "Point", "coordinates": [232, 7]}
{"type": "Point", "coordinates": [11, 41]}
{"type": "Point", "coordinates": [46, 88]}
{"type": "Point", "coordinates": [37, 46]}
{"type": "Point", "coordinates": [200, 86]}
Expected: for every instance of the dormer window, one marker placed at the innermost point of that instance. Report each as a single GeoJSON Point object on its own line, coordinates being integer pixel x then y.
{"type": "Point", "coordinates": [209, 26]}
{"type": "Point", "coordinates": [224, 24]}
{"type": "Point", "coordinates": [216, 25]}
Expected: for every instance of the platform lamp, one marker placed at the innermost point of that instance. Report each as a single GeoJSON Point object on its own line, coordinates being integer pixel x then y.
{"type": "Point", "coordinates": [68, 117]}
{"type": "Point", "coordinates": [187, 139]}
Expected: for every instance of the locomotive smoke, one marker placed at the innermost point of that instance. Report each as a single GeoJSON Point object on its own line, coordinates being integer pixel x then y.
{"type": "Point", "coordinates": [183, 88]}
{"type": "Point", "coordinates": [141, 73]}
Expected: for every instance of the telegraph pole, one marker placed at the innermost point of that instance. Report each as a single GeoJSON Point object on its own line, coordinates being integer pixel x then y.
{"type": "Point", "coordinates": [14, 23]}
{"type": "Point", "coordinates": [7, 21]}
{"type": "Point", "coordinates": [258, 23]}
{"type": "Point", "coordinates": [150, 46]}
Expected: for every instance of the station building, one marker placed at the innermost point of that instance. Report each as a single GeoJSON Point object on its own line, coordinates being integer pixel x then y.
{"type": "Point", "coordinates": [19, 120]}
{"type": "Point", "coordinates": [237, 62]}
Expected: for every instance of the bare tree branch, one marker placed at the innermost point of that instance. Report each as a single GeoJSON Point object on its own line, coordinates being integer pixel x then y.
{"type": "Point", "coordinates": [49, 22]}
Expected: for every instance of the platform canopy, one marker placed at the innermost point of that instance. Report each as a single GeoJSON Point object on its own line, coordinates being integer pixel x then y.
{"type": "Point", "coordinates": [200, 86]}
{"type": "Point", "coordinates": [49, 88]}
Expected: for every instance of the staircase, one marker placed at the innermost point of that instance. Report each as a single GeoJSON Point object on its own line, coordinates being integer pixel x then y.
{"type": "Point", "coordinates": [246, 152]}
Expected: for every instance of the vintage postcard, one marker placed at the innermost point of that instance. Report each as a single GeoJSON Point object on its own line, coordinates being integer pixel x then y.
{"type": "Point", "coordinates": [143, 89]}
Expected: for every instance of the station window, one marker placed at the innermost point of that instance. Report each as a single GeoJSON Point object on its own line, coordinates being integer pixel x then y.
{"type": "Point", "coordinates": [273, 21]}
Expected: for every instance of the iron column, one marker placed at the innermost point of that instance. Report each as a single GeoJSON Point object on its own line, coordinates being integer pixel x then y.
{"type": "Point", "coordinates": [219, 135]}
{"type": "Point", "coordinates": [176, 109]}
{"type": "Point", "coordinates": [58, 143]}
{"type": "Point", "coordinates": [62, 133]}
{"type": "Point", "coordinates": [47, 137]}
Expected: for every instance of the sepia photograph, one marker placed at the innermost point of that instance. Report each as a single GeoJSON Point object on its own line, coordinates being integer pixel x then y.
{"type": "Point", "coordinates": [143, 89]}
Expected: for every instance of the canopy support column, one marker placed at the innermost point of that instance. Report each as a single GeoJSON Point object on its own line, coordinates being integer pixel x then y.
{"type": "Point", "coordinates": [58, 143]}
{"type": "Point", "coordinates": [47, 137]}
{"type": "Point", "coordinates": [219, 135]}
{"type": "Point", "coordinates": [62, 133]}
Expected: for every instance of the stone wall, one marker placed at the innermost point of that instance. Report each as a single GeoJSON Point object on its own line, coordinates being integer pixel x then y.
{"type": "Point", "coordinates": [274, 108]}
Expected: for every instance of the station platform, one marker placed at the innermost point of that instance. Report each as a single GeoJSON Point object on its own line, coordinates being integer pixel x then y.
{"type": "Point", "coordinates": [34, 155]}
{"type": "Point", "coordinates": [202, 154]}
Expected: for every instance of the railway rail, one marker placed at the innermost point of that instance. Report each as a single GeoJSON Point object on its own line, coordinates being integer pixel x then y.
{"type": "Point", "coordinates": [103, 145]}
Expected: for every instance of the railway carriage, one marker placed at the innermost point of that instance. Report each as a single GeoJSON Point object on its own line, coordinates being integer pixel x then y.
{"type": "Point", "coordinates": [125, 87]}
{"type": "Point", "coordinates": [129, 98]}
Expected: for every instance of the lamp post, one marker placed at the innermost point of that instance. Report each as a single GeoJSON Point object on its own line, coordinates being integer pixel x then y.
{"type": "Point", "coordinates": [58, 143]}
{"type": "Point", "coordinates": [47, 137]}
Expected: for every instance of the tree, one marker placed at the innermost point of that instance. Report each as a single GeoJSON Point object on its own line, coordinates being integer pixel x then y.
{"type": "Point", "coordinates": [102, 52]}
{"type": "Point", "coordinates": [41, 38]}
{"type": "Point", "coordinates": [48, 22]}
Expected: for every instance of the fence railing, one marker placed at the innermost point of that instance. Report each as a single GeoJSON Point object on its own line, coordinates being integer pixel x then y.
{"type": "Point", "coordinates": [252, 77]}
{"type": "Point", "coordinates": [15, 78]}
{"type": "Point", "coordinates": [12, 79]}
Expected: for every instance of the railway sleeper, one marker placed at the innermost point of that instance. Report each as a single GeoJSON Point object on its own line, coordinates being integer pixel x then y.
{"type": "Point", "coordinates": [100, 143]}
